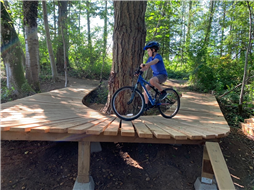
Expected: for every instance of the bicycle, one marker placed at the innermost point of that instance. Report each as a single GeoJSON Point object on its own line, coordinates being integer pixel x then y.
{"type": "Point", "coordinates": [132, 102]}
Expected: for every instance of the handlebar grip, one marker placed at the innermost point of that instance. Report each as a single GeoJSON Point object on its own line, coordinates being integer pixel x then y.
{"type": "Point", "coordinates": [138, 72]}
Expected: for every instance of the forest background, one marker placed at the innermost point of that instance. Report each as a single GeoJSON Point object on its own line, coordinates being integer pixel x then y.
{"type": "Point", "coordinates": [208, 43]}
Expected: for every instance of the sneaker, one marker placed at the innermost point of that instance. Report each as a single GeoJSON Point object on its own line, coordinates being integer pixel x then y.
{"type": "Point", "coordinates": [148, 106]}
{"type": "Point", "coordinates": [163, 95]}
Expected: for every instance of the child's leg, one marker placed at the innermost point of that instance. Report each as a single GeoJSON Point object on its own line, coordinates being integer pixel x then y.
{"type": "Point", "coordinates": [145, 95]}
{"type": "Point", "coordinates": [154, 81]}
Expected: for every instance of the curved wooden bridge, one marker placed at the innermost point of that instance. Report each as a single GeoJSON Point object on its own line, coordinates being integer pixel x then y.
{"type": "Point", "coordinates": [59, 115]}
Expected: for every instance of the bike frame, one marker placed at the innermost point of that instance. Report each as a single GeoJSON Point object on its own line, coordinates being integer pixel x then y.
{"type": "Point", "coordinates": [142, 83]}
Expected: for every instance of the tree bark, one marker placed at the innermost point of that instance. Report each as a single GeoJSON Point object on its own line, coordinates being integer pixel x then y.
{"type": "Point", "coordinates": [50, 49]}
{"type": "Point", "coordinates": [222, 30]}
{"type": "Point", "coordinates": [12, 53]}
{"type": "Point", "coordinates": [128, 42]}
{"type": "Point", "coordinates": [246, 61]}
{"type": "Point", "coordinates": [89, 31]}
{"type": "Point", "coordinates": [209, 26]}
{"type": "Point", "coordinates": [62, 24]}
{"type": "Point", "coordinates": [188, 35]}
{"type": "Point", "coordinates": [54, 19]}
{"type": "Point", "coordinates": [32, 43]}
{"type": "Point", "coordinates": [105, 37]}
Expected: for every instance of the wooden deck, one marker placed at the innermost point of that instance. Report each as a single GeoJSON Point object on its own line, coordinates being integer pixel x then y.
{"type": "Point", "coordinates": [59, 115]}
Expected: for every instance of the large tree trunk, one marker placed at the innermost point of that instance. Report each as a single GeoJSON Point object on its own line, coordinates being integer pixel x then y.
{"type": "Point", "coordinates": [32, 43]}
{"type": "Point", "coordinates": [50, 49]}
{"type": "Point", "coordinates": [62, 24]}
{"type": "Point", "coordinates": [12, 53]}
{"type": "Point", "coordinates": [128, 42]}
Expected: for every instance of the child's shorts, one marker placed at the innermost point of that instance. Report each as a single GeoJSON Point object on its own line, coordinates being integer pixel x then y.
{"type": "Point", "coordinates": [162, 78]}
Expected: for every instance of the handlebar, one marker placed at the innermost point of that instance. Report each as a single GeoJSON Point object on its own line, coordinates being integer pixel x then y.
{"type": "Point", "coordinates": [138, 72]}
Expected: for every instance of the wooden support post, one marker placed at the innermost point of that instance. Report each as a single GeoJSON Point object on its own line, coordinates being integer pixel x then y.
{"type": "Point", "coordinates": [219, 166]}
{"type": "Point", "coordinates": [83, 162]}
{"type": "Point", "coordinates": [215, 165]}
{"type": "Point", "coordinates": [207, 170]}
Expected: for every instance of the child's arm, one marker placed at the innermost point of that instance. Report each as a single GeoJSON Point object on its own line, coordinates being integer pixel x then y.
{"type": "Point", "coordinates": [147, 65]}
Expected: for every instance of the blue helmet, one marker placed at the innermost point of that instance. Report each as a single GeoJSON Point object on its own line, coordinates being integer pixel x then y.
{"type": "Point", "coordinates": [152, 44]}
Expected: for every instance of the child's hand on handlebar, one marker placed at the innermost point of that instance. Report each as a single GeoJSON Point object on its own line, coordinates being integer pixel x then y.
{"type": "Point", "coordinates": [143, 67]}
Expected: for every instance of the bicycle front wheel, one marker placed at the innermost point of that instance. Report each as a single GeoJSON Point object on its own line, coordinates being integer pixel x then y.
{"type": "Point", "coordinates": [170, 105]}
{"type": "Point", "coordinates": [127, 103]}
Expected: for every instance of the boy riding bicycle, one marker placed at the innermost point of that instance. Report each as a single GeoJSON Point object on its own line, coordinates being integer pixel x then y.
{"type": "Point", "coordinates": [159, 72]}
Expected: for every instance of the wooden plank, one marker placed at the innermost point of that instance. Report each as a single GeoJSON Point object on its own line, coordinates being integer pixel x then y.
{"type": "Point", "coordinates": [157, 132]}
{"type": "Point", "coordinates": [127, 129]}
{"type": "Point", "coordinates": [199, 113]}
{"type": "Point", "coordinates": [27, 121]}
{"type": "Point", "coordinates": [175, 128]}
{"type": "Point", "coordinates": [204, 130]}
{"type": "Point", "coordinates": [12, 115]}
{"type": "Point", "coordinates": [173, 133]}
{"type": "Point", "coordinates": [219, 165]}
{"type": "Point", "coordinates": [39, 107]}
{"type": "Point", "coordinates": [27, 136]}
{"type": "Point", "coordinates": [189, 128]}
{"type": "Point", "coordinates": [6, 125]}
{"type": "Point", "coordinates": [251, 120]}
{"type": "Point", "coordinates": [43, 126]}
{"type": "Point", "coordinates": [63, 127]}
{"type": "Point", "coordinates": [113, 128]}
{"type": "Point", "coordinates": [83, 128]}
{"type": "Point", "coordinates": [142, 130]}
{"type": "Point", "coordinates": [10, 122]}
{"type": "Point", "coordinates": [193, 131]}
{"type": "Point", "coordinates": [98, 129]}
{"type": "Point", "coordinates": [207, 170]}
{"type": "Point", "coordinates": [247, 128]}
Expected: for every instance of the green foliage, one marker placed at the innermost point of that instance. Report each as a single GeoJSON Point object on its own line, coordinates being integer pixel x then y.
{"type": "Point", "coordinates": [98, 96]}
{"type": "Point", "coordinates": [80, 63]}
{"type": "Point", "coordinates": [6, 94]}
{"type": "Point", "coordinates": [2, 68]}
{"type": "Point", "coordinates": [27, 89]}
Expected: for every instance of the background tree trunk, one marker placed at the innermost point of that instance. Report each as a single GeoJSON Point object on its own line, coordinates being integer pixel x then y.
{"type": "Point", "coordinates": [62, 23]}
{"type": "Point", "coordinates": [49, 45]}
{"type": "Point", "coordinates": [128, 42]}
{"type": "Point", "coordinates": [105, 37]}
{"type": "Point", "coordinates": [88, 7]}
{"type": "Point", "coordinates": [246, 62]}
{"type": "Point", "coordinates": [12, 54]}
{"type": "Point", "coordinates": [32, 43]}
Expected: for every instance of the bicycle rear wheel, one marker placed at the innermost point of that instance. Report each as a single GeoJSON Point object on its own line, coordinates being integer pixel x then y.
{"type": "Point", "coordinates": [127, 103]}
{"type": "Point", "coordinates": [170, 105]}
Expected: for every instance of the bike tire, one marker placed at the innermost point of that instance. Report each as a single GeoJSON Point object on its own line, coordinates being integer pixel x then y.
{"type": "Point", "coordinates": [126, 111]}
{"type": "Point", "coordinates": [170, 105]}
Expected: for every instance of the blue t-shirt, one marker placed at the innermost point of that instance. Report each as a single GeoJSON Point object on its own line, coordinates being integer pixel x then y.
{"type": "Point", "coordinates": [158, 68]}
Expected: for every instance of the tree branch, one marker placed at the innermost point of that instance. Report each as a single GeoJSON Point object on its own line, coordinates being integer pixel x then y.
{"type": "Point", "coordinates": [235, 87]}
